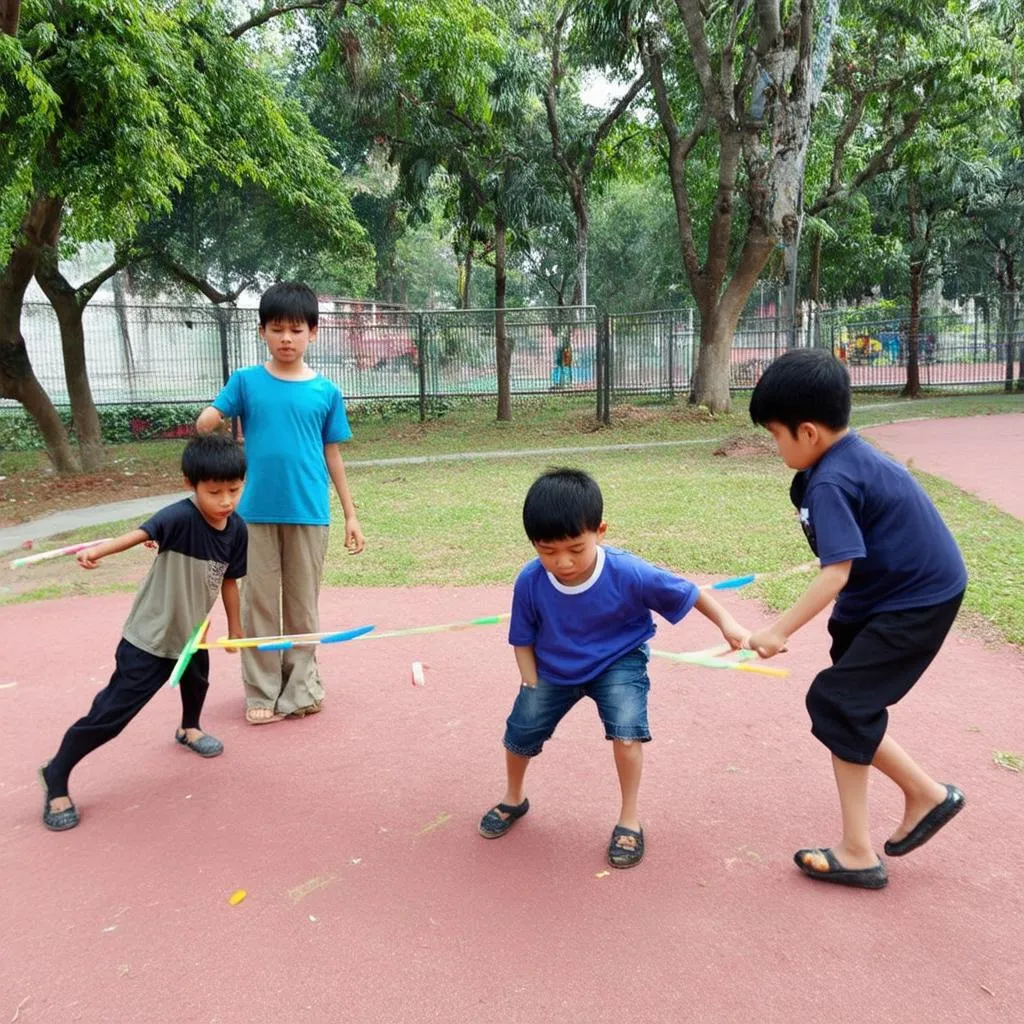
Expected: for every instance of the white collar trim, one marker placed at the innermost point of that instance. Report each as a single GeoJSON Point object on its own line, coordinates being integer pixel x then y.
{"type": "Point", "coordinates": [581, 588]}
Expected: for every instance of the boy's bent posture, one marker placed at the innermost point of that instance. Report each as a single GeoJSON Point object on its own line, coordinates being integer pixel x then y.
{"type": "Point", "coordinates": [581, 619]}
{"type": "Point", "coordinates": [293, 419]}
{"type": "Point", "coordinates": [897, 578]}
{"type": "Point", "coordinates": [202, 545]}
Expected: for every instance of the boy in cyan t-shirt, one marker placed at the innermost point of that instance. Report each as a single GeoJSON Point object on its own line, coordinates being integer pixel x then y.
{"type": "Point", "coordinates": [293, 420]}
{"type": "Point", "coordinates": [581, 619]}
{"type": "Point", "coordinates": [897, 578]}
{"type": "Point", "coordinates": [201, 542]}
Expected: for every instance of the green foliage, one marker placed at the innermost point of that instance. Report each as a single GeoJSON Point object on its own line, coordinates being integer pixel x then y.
{"type": "Point", "coordinates": [119, 424]}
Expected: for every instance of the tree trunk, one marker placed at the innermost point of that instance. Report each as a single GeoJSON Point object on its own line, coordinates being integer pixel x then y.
{"type": "Point", "coordinates": [65, 302]}
{"type": "Point", "coordinates": [466, 277]}
{"type": "Point", "coordinates": [10, 11]}
{"type": "Point", "coordinates": [710, 384]}
{"type": "Point", "coordinates": [118, 283]}
{"type": "Point", "coordinates": [815, 282]}
{"type": "Point", "coordinates": [503, 354]}
{"type": "Point", "coordinates": [579, 290]}
{"type": "Point", "coordinates": [912, 389]}
{"type": "Point", "coordinates": [17, 379]}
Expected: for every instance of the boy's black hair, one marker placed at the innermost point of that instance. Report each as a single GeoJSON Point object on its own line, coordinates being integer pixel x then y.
{"type": "Point", "coordinates": [289, 301]}
{"type": "Point", "coordinates": [213, 457]}
{"type": "Point", "coordinates": [807, 385]}
{"type": "Point", "coordinates": [562, 503]}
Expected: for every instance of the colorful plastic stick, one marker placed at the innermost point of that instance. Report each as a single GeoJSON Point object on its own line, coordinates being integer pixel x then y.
{"type": "Point", "coordinates": [735, 582]}
{"type": "Point", "coordinates": [284, 643]}
{"type": "Point", "coordinates": [71, 549]}
{"type": "Point", "coordinates": [193, 644]}
{"type": "Point", "coordinates": [487, 620]}
{"type": "Point", "coordinates": [706, 661]}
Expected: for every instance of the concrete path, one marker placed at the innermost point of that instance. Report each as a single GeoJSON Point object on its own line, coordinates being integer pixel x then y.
{"type": "Point", "coordinates": [968, 451]}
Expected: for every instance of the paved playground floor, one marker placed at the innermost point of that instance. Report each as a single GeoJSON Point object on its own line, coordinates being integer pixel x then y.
{"type": "Point", "coordinates": [370, 897]}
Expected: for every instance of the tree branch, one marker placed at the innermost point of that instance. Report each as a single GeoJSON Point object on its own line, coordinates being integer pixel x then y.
{"type": "Point", "coordinates": [269, 13]}
{"type": "Point", "coordinates": [200, 284]}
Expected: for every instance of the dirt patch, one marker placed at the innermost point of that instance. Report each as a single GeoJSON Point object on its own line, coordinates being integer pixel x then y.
{"type": "Point", "coordinates": [64, 577]}
{"type": "Point", "coordinates": [745, 446]}
{"type": "Point", "coordinates": [38, 492]}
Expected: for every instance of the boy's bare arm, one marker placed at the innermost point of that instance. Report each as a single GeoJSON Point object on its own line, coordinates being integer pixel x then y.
{"type": "Point", "coordinates": [209, 420]}
{"type": "Point", "coordinates": [232, 606]}
{"type": "Point", "coordinates": [819, 595]}
{"type": "Point", "coordinates": [90, 557]}
{"type": "Point", "coordinates": [527, 662]}
{"type": "Point", "coordinates": [734, 634]}
{"type": "Point", "coordinates": [354, 540]}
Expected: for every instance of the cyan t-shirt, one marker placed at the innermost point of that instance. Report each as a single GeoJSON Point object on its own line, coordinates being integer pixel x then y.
{"type": "Point", "coordinates": [579, 632]}
{"type": "Point", "coordinates": [286, 425]}
{"type": "Point", "coordinates": [857, 504]}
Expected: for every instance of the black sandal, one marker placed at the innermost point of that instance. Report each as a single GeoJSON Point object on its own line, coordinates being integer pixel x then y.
{"type": "Point", "coordinates": [55, 821]}
{"type": "Point", "coordinates": [493, 825]}
{"type": "Point", "coordinates": [938, 816]}
{"type": "Point", "coordinates": [625, 856]}
{"type": "Point", "coordinates": [859, 878]}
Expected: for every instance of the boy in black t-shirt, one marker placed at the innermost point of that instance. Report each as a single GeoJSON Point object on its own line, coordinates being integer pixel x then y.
{"type": "Point", "coordinates": [897, 578]}
{"type": "Point", "coordinates": [202, 550]}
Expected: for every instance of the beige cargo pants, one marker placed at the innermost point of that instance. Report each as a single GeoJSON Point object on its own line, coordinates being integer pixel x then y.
{"type": "Point", "coordinates": [280, 595]}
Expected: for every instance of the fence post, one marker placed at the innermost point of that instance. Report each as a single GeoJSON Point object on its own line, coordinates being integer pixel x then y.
{"type": "Point", "coordinates": [421, 347]}
{"type": "Point", "coordinates": [222, 328]}
{"type": "Point", "coordinates": [671, 361]}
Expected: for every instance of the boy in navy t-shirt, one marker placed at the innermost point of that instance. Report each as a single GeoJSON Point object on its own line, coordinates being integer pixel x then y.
{"type": "Point", "coordinates": [581, 619]}
{"type": "Point", "coordinates": [202, 553]}
{"type": "Point", "coordinates": [897, 578]}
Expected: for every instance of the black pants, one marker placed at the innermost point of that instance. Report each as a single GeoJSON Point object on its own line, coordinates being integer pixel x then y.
{"type": "Point", "coordinates": [137, 676]}
{"type": "Point", "coordinates": [875, 663]}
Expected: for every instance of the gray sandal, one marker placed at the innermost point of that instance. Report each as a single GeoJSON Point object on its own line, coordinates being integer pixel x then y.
{"type": "Point", "coordinates": [493, 825]}
{"type": "Point", "coordinates": [55, 821]}
{"type": "Point", "coordinates": [205, 746]}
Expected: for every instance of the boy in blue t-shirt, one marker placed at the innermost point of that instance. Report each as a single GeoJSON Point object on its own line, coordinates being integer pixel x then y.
{"type": "Point", "coordinates": [293, 420]}
{"type": "Point", "coordinates": [897, 578]}
{"type": "Point", "coordinates": [581, 619]}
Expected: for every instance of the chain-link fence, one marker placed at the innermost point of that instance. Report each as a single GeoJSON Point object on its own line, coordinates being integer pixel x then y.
{"type": "Point", "coordinates": [172, 355]}
{"type": "Point", "coordinates": [656, 353]}
{"type": "Point", "coordinates": [139, 355]}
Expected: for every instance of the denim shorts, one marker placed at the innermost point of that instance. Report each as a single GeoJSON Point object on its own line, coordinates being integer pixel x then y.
{"type": "Point", "coordinates": [620, 694]}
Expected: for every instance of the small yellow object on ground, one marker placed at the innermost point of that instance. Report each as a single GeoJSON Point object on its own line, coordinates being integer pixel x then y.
{"type": "Point", "coordinates": [236, 897]}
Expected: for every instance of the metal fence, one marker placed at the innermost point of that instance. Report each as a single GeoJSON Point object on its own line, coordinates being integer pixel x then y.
{"type": "Point", "coordinates": [140, 355]}
{"type": "Point", "coordinates": [656, 353]}
{"type": "Point", "coordinates": [172, 355]}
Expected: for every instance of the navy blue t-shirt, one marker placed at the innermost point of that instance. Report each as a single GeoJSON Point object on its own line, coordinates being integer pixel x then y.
{"type": "Point", "coordinates": [857, 504]}
{"type": "Point", "coordinates": [578, 632]}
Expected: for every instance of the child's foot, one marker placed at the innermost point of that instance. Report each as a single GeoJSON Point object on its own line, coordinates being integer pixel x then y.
{"type": "Point", "coordinates": [262, 716]}
{"type": "Point", "coordinates": [201, 742]}
{"type": "Point", "coordinates": [626, 847]}
{"type": "Point", "coordinates": [824, 865]}
{"type": "Point", "coordinates": [59, 814]}
{"type": "Point", "coordinates": [499, 819]}
{"type": "Point", "coordinates": [929, 819]}
{"type": "Point", "coordinates": [310, 709]}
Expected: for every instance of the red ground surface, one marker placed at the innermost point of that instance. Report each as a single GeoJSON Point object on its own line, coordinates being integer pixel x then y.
{"type": "Point", "coordinates": [977, 453]}
{"type": "Point", "coordinates": [372, 899]}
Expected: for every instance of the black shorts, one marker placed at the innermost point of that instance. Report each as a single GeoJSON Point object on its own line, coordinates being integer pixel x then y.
{"type": "Point", "coordinates": [875, 663]}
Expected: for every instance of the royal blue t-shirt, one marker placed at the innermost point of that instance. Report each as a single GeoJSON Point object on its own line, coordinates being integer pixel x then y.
{"type": "Point", "coordinates": [578, 632]}
{"type": "Point", "coordinates": [856, 503]}
{"type": "Point", "coordinates": [286, 425]}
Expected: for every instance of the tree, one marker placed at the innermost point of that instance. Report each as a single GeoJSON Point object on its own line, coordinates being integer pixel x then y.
{"type": "Point", "coordinates": [578, 133]}
{"type": "Point", "coordinates": [112, 107]}
{"type": "Point", "coordinates": [745, 81]}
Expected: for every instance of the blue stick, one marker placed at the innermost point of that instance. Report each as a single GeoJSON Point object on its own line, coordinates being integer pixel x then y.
{"type": "Point", "coordinates": [348, 634]}
{"type": "Point", "coordinates": [735, 583]}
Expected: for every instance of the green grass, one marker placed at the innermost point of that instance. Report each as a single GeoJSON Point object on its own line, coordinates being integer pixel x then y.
{"type": "Point", "coordinates": [459, 523]}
